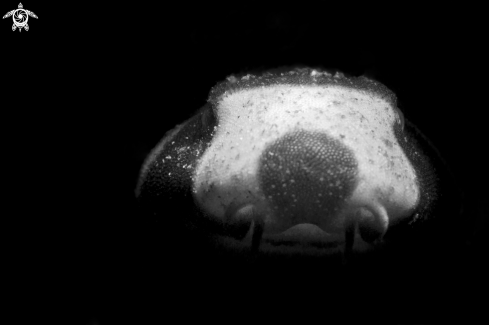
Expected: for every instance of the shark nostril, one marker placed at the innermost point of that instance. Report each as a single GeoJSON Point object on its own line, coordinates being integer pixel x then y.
{"type": "Point", "coordinates": [238, 219]}
{"type": "Point", "coordinates": [372, 224]}
{"type": "Point", "coordinates": [369, 234]}
{"type": "Point", "coordinates": [307, 176]}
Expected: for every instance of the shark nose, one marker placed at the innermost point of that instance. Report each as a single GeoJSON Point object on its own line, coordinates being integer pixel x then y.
{"type": "Point", "coordinates": [306, 176]}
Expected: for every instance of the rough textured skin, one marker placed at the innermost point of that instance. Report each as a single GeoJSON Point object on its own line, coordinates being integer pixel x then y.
{"type": "Point", "coordinates": [308, 176]}
{"type": "Point", "coordinates": [309, 155]}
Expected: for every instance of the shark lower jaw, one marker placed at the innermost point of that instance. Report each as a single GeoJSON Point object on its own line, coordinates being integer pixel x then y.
{"type": "Point", "coordinates": [300, 240]}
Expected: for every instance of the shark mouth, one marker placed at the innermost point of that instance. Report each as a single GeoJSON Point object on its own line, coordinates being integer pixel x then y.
{"type": "Point", "coordinates": [303, 239]}
{"type": "Point", "coordinates": [304, 234]}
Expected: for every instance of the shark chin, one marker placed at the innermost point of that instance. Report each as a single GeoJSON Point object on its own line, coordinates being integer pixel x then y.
{"type": "Point", "coordinates": [303, 239]}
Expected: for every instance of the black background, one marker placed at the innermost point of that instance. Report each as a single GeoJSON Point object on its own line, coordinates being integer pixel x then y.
{"type": "Point", "coordinates": [90, 89]}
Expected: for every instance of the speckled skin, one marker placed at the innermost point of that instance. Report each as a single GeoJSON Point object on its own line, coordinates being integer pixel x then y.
{"type": "Point", "coordinates": [214, 187]}
{"type": "Point", "coordinates": [308, 176]}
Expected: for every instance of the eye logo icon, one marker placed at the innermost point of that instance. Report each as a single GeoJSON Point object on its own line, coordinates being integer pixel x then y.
{"type": "Point", "coordinates": [20, 17]}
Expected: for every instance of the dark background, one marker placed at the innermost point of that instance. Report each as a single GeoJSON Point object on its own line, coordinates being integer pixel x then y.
{"type": "Point", "coordinates": [89, 90]}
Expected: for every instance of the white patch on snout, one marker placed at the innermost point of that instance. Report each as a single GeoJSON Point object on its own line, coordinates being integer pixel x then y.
{"type": "Point", "coordinates": [251, 119]}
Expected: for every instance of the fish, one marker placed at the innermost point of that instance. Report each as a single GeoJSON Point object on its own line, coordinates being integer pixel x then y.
{"type": "Point", "coordinates": [299, 162]}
